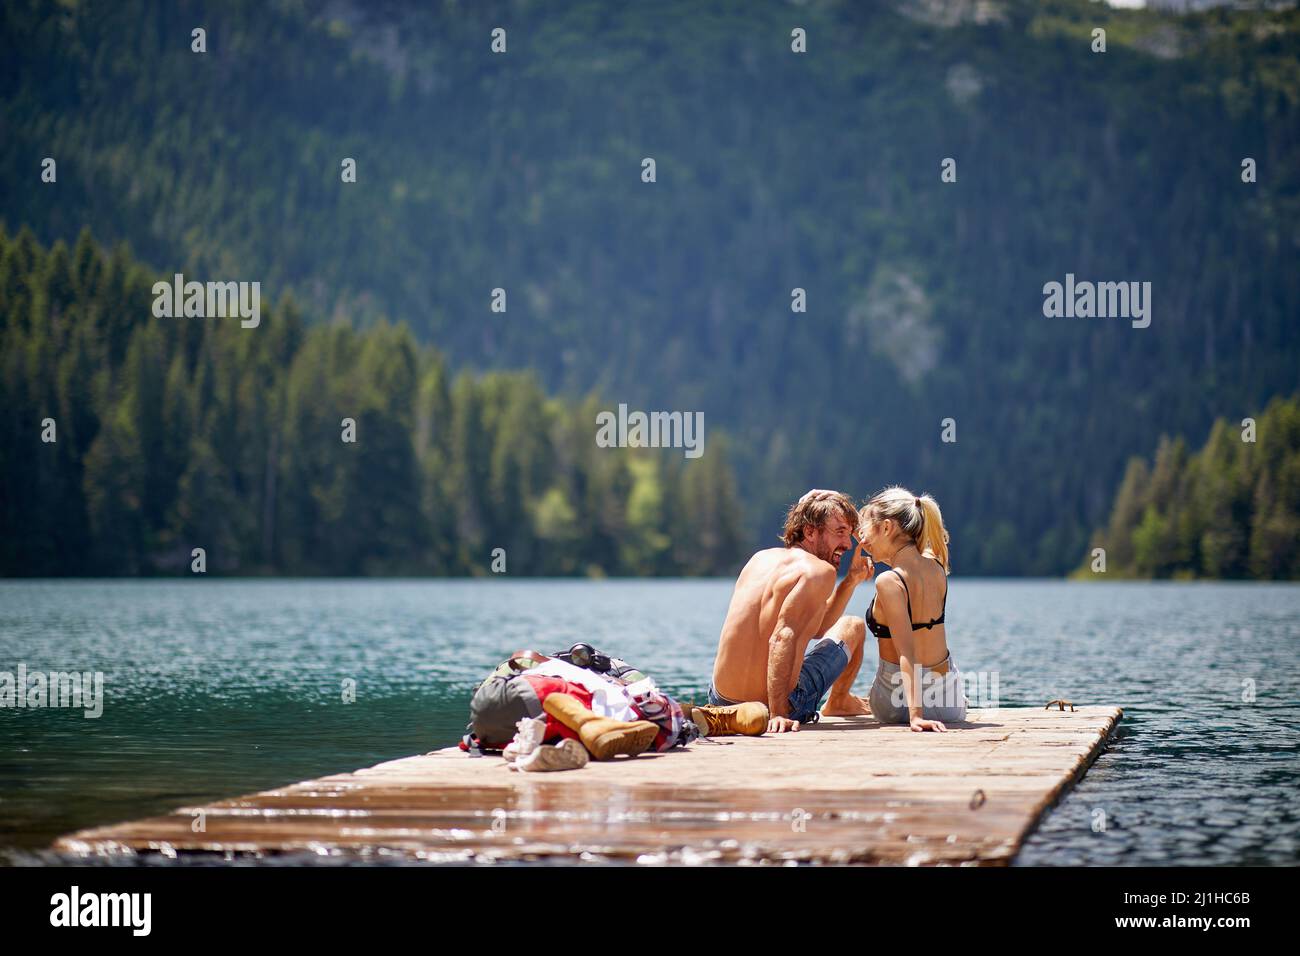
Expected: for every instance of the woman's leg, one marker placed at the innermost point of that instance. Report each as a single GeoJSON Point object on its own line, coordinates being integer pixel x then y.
{"type": "Point", "coordinates": [885, 689]}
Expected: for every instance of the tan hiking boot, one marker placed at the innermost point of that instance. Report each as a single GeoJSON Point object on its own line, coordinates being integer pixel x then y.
{"type": "Point", "coordinates": [737, 720]}
{"type": "Point", "coordinates": [605, 737]}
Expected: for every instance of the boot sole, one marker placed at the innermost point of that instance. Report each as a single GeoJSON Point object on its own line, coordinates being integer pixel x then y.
{"type": "Point", "coordinates": [625, 740]}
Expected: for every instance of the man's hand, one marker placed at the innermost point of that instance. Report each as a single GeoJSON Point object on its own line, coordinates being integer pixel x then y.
{"type": "Point", "coordinates": [919, 725]}
{"type": "Point", "coordinates": [779, 725]}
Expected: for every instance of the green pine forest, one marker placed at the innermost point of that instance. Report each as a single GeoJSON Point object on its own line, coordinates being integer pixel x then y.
{"type": "Point", "coordinates": [522, 171]}
{"type": "Point", "coordinates": [175, 434]}
{"type": "Point", "coordinates": [1229, 510]}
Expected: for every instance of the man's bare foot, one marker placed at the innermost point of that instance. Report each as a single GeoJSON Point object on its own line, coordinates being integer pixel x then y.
{"type": "Point", "coordinates": [847, 706]}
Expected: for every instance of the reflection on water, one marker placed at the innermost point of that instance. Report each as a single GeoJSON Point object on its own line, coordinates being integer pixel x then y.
{"type": "Point", "coordinates": [215, 688]}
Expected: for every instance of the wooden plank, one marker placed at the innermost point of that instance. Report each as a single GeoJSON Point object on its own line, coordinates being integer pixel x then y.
{"type": "Point", "coordinates": [846, 790]}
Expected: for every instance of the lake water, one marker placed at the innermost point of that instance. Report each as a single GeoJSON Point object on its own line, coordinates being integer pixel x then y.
{"type": "Point", "coordinates": [217, 688]}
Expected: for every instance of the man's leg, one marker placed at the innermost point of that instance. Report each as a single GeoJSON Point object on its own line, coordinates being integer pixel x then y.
{"type": "Point", "coordinates": [822, 665]}
{"type": "Point", "coordinates": [853, 632]}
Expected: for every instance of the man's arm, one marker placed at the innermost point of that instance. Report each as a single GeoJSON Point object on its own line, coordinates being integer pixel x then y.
{"type": "Point", "coordinates": [860, 570]}
{"type": "Point", "coordinates": [800, 615]}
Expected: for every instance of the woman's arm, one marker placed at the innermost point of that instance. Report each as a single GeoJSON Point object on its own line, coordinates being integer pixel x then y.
{"type": "Point", "coordinates": [891, 605]}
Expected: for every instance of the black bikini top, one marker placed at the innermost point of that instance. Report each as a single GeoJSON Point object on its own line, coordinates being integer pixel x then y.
{"type": "Point", "coordinates": [882, 632]}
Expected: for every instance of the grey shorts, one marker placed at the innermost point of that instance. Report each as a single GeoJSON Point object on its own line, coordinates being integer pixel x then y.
{"type": "Point", "coordinates": [942, 695]}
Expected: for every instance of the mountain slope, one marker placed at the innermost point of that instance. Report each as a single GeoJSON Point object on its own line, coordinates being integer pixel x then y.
{"type": "Point", "coordinates": [774, 171]}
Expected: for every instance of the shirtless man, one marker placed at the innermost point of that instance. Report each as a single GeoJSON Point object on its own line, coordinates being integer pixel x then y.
{"type": "Point", "coordinates": [786, 597]}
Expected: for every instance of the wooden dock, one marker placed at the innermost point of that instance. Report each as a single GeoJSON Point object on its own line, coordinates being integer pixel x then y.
{"type": "Point", "coordinates": [842, 791]}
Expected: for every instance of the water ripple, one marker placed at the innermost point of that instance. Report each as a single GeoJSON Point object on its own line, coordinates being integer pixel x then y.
{"type": "Point", "coordinates": [215, 688]}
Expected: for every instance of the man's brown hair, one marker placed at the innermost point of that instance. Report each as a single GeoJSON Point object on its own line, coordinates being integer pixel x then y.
{"type": "Point", "coordinates": [813, 510]}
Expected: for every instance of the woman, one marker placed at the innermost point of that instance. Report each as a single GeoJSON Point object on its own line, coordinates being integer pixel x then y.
{"type": "Point", "coordinates": [917, 682]}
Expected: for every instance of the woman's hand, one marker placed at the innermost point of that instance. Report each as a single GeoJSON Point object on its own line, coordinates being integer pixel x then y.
{"type": "Point", "coordinates": [920, 724]}
{"type": "Point", "coordinates": [863, 567]}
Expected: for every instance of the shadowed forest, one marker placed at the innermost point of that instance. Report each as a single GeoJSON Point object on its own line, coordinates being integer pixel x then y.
{"type": "Point", "coordinates": [522, 170]}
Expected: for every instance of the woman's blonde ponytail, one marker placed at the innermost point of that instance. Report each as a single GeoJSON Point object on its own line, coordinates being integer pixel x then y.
{"type": "Point", "coordinates": [933, 539]}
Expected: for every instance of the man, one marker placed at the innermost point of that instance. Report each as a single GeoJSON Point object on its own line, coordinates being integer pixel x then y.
{"type": "Point", "coordinates": [784, 599]}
